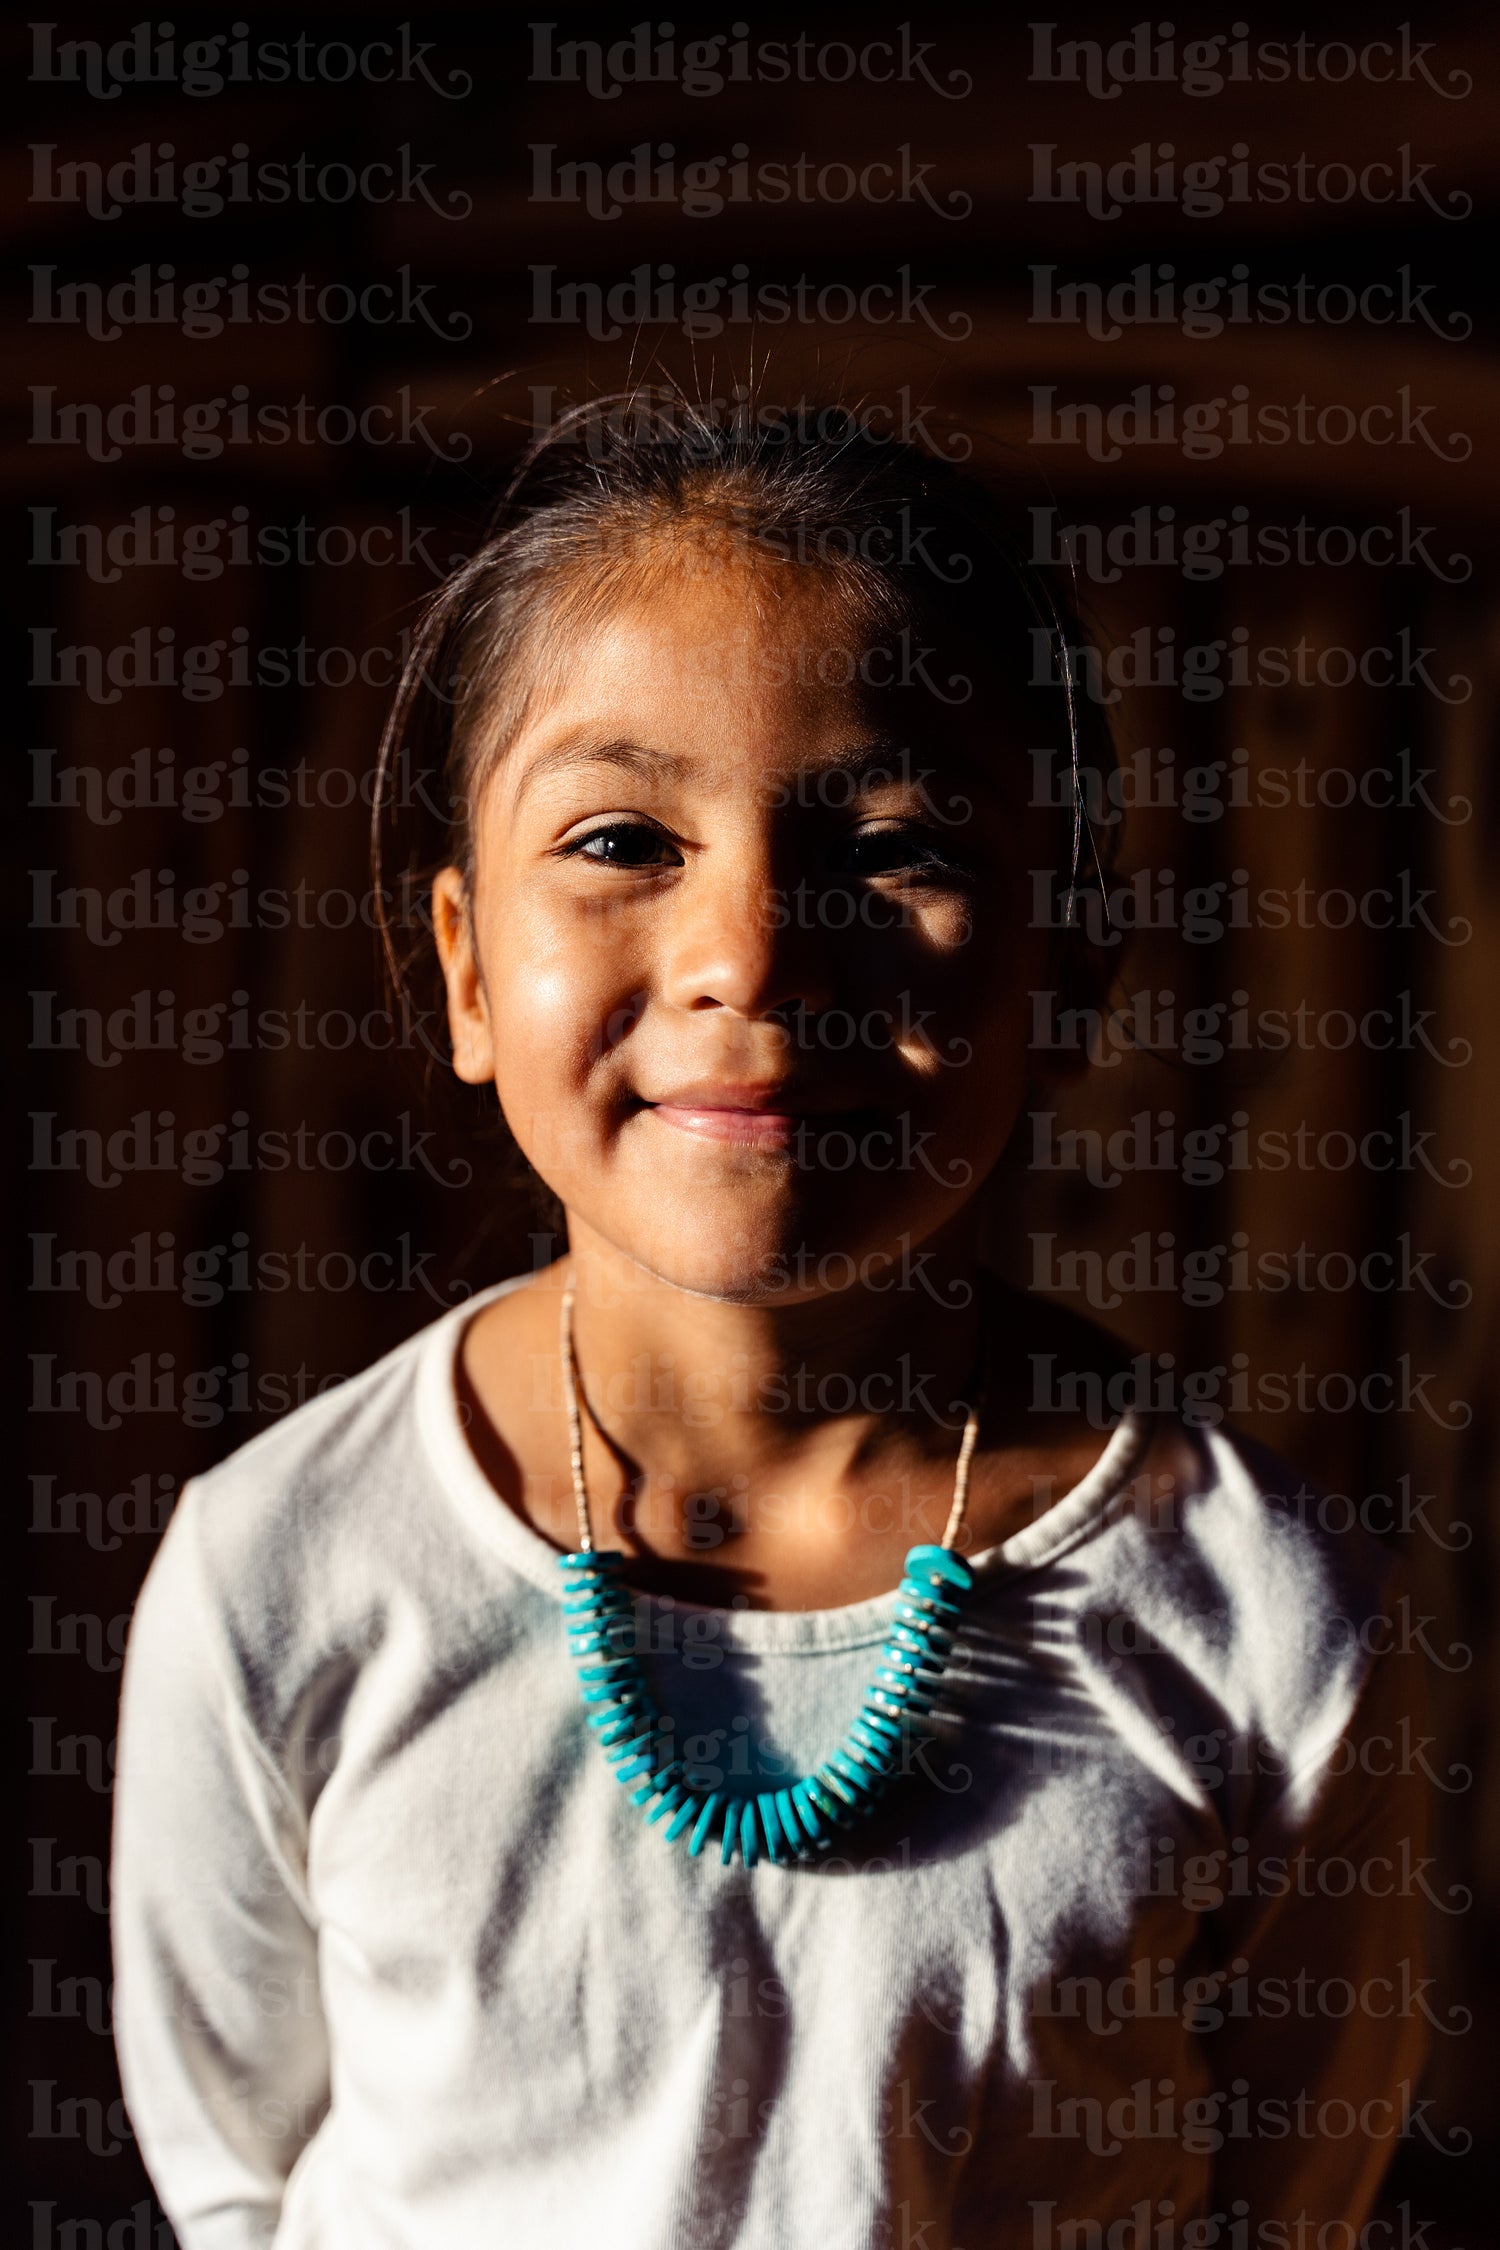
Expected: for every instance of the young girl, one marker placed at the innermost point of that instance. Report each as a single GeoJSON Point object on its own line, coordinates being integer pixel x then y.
{"type": "Point", "coordinates": [718, 1742]}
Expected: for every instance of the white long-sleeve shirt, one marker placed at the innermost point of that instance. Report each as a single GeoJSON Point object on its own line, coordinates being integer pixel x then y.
{"type": "Point", "coordinates": [400, 1967]}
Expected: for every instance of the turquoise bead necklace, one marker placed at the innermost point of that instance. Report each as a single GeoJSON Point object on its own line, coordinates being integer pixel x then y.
{"type": "Point", "coordinates": [780, 1825]}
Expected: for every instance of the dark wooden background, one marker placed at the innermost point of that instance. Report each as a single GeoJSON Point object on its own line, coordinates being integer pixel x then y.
{"type": "Point", "coordinates": [281, 810]}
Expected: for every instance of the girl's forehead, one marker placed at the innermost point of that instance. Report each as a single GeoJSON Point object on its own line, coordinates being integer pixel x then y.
{"type": "Point", "coordinates": [750, 646]}
{"type": "Point", "coordinates": [733, 602]}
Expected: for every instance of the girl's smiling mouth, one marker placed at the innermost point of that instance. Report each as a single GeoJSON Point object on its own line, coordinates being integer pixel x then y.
{"type": "Point", "coordinates": [769, 1115]}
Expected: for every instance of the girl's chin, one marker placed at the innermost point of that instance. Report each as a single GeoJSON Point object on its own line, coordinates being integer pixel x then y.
{"type": "Point", "coordinates": [751, 1266]}
{"type": "Point", "coordinates": [732, 1285]}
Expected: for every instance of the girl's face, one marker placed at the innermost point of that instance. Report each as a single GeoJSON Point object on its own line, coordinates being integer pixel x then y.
{"type": "Point", "coordinates": [752, 950]}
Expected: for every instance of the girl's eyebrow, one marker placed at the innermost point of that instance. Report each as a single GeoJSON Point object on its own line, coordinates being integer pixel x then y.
{"type": "Point", "coordinates": [592, 750]}
{"type": "Point", "coordinates": [860, 759]}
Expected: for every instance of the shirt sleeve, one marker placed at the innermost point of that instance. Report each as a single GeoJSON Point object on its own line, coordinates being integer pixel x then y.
{"type": "Point", "coordinates": [218, 2027]}
{"type": "Point", "coordinates": [1324, 2026]}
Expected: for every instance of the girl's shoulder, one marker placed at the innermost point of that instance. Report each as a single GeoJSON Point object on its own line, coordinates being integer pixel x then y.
{"type": "Point", "coordinates": [354, 1430]}
{"type": "Point", "coordinates": [1277, 1592]}
{"type": "Point", "coordinates": [301, 1539]}
{"type": "Point", "coordinates": [1273, 1542]}
{"type": "Point", "coordinates": [1233, 1509]}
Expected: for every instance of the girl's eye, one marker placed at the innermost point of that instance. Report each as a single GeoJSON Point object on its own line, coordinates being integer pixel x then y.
{"type": "Point", "coordinates": [624, 843]}
{"type": "Point", "coordinates": [893, 851]}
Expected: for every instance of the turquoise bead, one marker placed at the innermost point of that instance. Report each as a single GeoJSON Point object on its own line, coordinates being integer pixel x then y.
{"type": "Point", "coordinates": [922, 1673]}
{"type": "Point", "coordinates": [815, 1818]}
{"type": "Point", "coordinates": [865, 1783]}
{"type": "Point", "coordinates": [671, 1799]}
{"type": "Point", "coordinates": [878, 1749]}
{"type": "Point", "coordinates": [882, 1722]}
{"type": "Point", "coordinates": [578, 1653]}
{"type": "Point", "coordinates": [833, 1809]}
{"type": "Point", "coordinates": [818, 1800]}
{"type": "Point", "coordinates": [926, 1592]}
{"type": "Point", "coordinates": [808, 1816]}
{"type": "Point", "coordinates": [934, 1625]}
{"type": "Point", "coordinates": [940, 1562]}
{"type": "Point", "coordinates": [625, 1703]}
{"type": "Point", "coordinates": [786, 1813]}
{"type": "Point", "coordinates": [655, 1785]}
{"type": "Point", "coordinates": [630, 1749]}
{"type": "Point", "coordinates": [731, 1833]}
{"type": "Point", "coordinates": [638, 1766]}
{"type": "Point", "coordinates": [591, 1562]}
{"type": "Point", "coordinates": [686, 1811]}
{"type": "Point", "coordinates": [937, 1637]}
{"type": "Point", "coordinates": [815, 1825]}
{"type": "Point", "coordinates": [836, 1805]}
{"type": "Point", "coordinates": [885, 1705]}
{"type": "Point", "coordinates": [868, 1786]}
{"type": "Point", "coordinates": [749, 1848]}
{"type": "Point", "coordinates": [897, 1676]}
{"type": "Point", "coordinates": [705, 1821]}
{"type": "Point", "coordinates": [777, 1847]}
{"type": "Point", "coordinates": [828, 1778]}
{"type": "Point", "coordinates": [906, 1649]}
{"type": "Point", "coordinates": [915, 1649]}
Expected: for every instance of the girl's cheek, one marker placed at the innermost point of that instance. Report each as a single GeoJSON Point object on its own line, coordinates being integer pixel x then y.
{"type": "Point", "coordinates": [562, 1011]}
{"type": "Point", "coordinates": [547, 1007]}
{"type": "Point", "coordinates": [948, 926]}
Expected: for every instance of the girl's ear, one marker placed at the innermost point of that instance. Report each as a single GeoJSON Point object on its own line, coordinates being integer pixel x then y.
{"type": "Point", "coordinates": [468, 1009]}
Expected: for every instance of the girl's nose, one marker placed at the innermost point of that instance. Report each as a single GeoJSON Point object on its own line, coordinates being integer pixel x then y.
{"type": "Point", "coordinates": [746, 941]}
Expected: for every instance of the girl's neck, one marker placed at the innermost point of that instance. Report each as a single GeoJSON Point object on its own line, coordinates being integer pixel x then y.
{"type": "Point", "coordinates": [786, 1455]}
{"type": "Point", "coordinates": [693, 1385]}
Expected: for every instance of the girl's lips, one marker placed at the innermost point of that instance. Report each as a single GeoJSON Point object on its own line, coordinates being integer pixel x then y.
{"type": "Point", "coordinates": [753, 1113]}
{"type": "Point", "coordinates": [751, 1128]}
